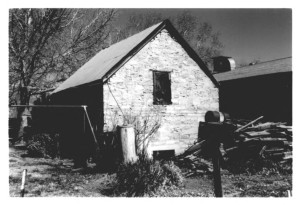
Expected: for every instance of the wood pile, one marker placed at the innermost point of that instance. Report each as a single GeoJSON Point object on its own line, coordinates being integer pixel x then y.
{"type": "Point", "coordinates": [267, 140]}
{"type": "Point", "coordinates": [248, 140]}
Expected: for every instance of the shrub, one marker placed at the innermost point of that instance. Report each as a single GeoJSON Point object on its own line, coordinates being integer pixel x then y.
{"type": "Point", "coordinates": [146, 176]}
{"type": "Point", "coordinates": [43, 145]}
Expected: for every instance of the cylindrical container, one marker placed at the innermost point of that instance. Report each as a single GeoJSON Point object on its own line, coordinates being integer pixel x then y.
{"type": "Point", "coordinates": [127, 137]}
{"type": "Point", "coordinates": [215, 116]}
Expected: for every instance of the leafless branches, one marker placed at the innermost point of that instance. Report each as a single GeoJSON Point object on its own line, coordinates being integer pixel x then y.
{"type": "Point", "coordinates": [200, 35]}
{"type": "Point", "coordinates": [146, 124]}
{"type": "Point", "coordinates": [48, 44]}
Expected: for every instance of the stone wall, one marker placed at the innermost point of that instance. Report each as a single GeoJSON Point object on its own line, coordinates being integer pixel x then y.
{"type": "Point", "coordinates": [193, 93]}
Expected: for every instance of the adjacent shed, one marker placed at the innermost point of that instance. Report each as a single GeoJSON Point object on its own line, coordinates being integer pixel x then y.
{"type": "Point", "coordinates": [151, 76]}
{"type": "Point", "coordinates": [261, 89]}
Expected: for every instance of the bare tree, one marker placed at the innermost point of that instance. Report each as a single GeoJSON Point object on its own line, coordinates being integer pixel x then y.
{"type": "Point", "coordinates": [200, 35]}
{"type": "Point", "coordinates": [136, 23]}
{"type": "Point", "coordinates": [186, 24]}
{"type": "Point", "coordinates": [48, 44]}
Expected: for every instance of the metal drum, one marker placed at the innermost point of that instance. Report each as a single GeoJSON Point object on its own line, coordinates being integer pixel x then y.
{"type": "Point", "coordinates": [216, 116]}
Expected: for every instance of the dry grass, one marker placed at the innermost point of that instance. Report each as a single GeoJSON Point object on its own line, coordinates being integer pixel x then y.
{"type": "Point", "coordinates": [47, 177]}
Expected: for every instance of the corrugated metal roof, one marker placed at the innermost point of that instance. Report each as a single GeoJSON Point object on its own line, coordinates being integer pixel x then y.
{"type": "Point", "coordinates": [101, 63]}
{"type": "Point", "coordinates": [265, 68]}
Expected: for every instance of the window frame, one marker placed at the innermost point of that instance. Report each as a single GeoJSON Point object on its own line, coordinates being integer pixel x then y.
{"type": "Point", "coordinates": [164, 101]}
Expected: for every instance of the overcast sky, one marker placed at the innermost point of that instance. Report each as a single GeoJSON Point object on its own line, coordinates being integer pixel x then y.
{"type": "Point", "coordinates": [247, 34]}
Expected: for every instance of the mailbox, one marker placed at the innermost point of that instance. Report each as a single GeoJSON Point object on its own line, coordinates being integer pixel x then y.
{"type": "Point", "coordinates": [215, 130]}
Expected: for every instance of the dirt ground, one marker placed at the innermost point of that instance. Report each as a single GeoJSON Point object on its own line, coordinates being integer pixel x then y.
{"type": "Point", "coordinates": [55, 177]}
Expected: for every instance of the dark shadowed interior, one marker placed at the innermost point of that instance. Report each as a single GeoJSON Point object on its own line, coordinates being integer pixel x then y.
{"type": "Point", "coordinates": [267, 95]}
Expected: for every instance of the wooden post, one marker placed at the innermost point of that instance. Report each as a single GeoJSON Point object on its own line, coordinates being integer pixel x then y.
{"type": "Point", "coordinates": [84, 123]}
{"type": "Point", "coordinates": [127, 137]}
{"type": "Point", "coordinates": [91, 126]}
{"type": "Point", "coordinates": [216, 172]}
{"type": "Point", "coordinates": [214, 132]}
{"type": "Point", "coordinates": [23, 182]}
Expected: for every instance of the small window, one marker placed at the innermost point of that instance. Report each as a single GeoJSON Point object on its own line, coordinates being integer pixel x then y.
{"type": "Point", "coordinates": [163, 154]}
{"type": "Point", "coordinates": [161, 88]}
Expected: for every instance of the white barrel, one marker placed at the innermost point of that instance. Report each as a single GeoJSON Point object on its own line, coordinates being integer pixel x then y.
{"type": "Point", "coordinates": [127, 137]}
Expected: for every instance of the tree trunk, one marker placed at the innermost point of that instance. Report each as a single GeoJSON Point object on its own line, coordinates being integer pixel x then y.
{"type": "Point", "coordinates": [23, 113]}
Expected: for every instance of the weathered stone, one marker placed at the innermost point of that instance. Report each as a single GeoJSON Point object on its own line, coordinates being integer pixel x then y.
{"type": "Point", "coordinates": [193, 93]}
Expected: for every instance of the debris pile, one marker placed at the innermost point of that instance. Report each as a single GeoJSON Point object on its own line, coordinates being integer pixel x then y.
{"type": "Point", "coordinates": [268, 140]}
{"type": "Point", "coordinates": [242, 140]}
{"type": "Point", "coordinates": [194, 165]}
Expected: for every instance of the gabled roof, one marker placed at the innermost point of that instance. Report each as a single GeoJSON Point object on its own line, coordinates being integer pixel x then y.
{"type": "Point", "coordinates": [264, 68]}
{"type": "Point", "coordinates": [108, 61]}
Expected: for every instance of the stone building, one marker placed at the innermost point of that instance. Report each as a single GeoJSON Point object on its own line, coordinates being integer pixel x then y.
{"type": "Point", "coordinates": [152, 75]}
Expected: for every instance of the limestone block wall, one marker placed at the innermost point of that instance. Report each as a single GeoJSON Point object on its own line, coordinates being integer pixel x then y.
{"type": "Point", "coordinates": [131, 89]}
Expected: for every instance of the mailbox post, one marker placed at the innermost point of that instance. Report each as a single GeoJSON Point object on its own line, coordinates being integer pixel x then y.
{"type": "Point", "coordinates": [216, 171]}
{"type": "Point", "coordinates": [215, 134]}
{"type": "Point", "coordinates": [216, 131]}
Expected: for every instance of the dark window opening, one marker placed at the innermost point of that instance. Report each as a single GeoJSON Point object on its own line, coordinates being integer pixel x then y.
{"type": "Point", "coordinates": [161, 88]}
{"type": "Point", "coordinates": [163, 154]}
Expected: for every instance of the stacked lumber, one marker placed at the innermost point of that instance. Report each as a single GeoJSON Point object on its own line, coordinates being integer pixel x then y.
{"type": "Point", "coordinates": [247, 140]}
{"type": "Point", "coordinates": [268, 140]}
